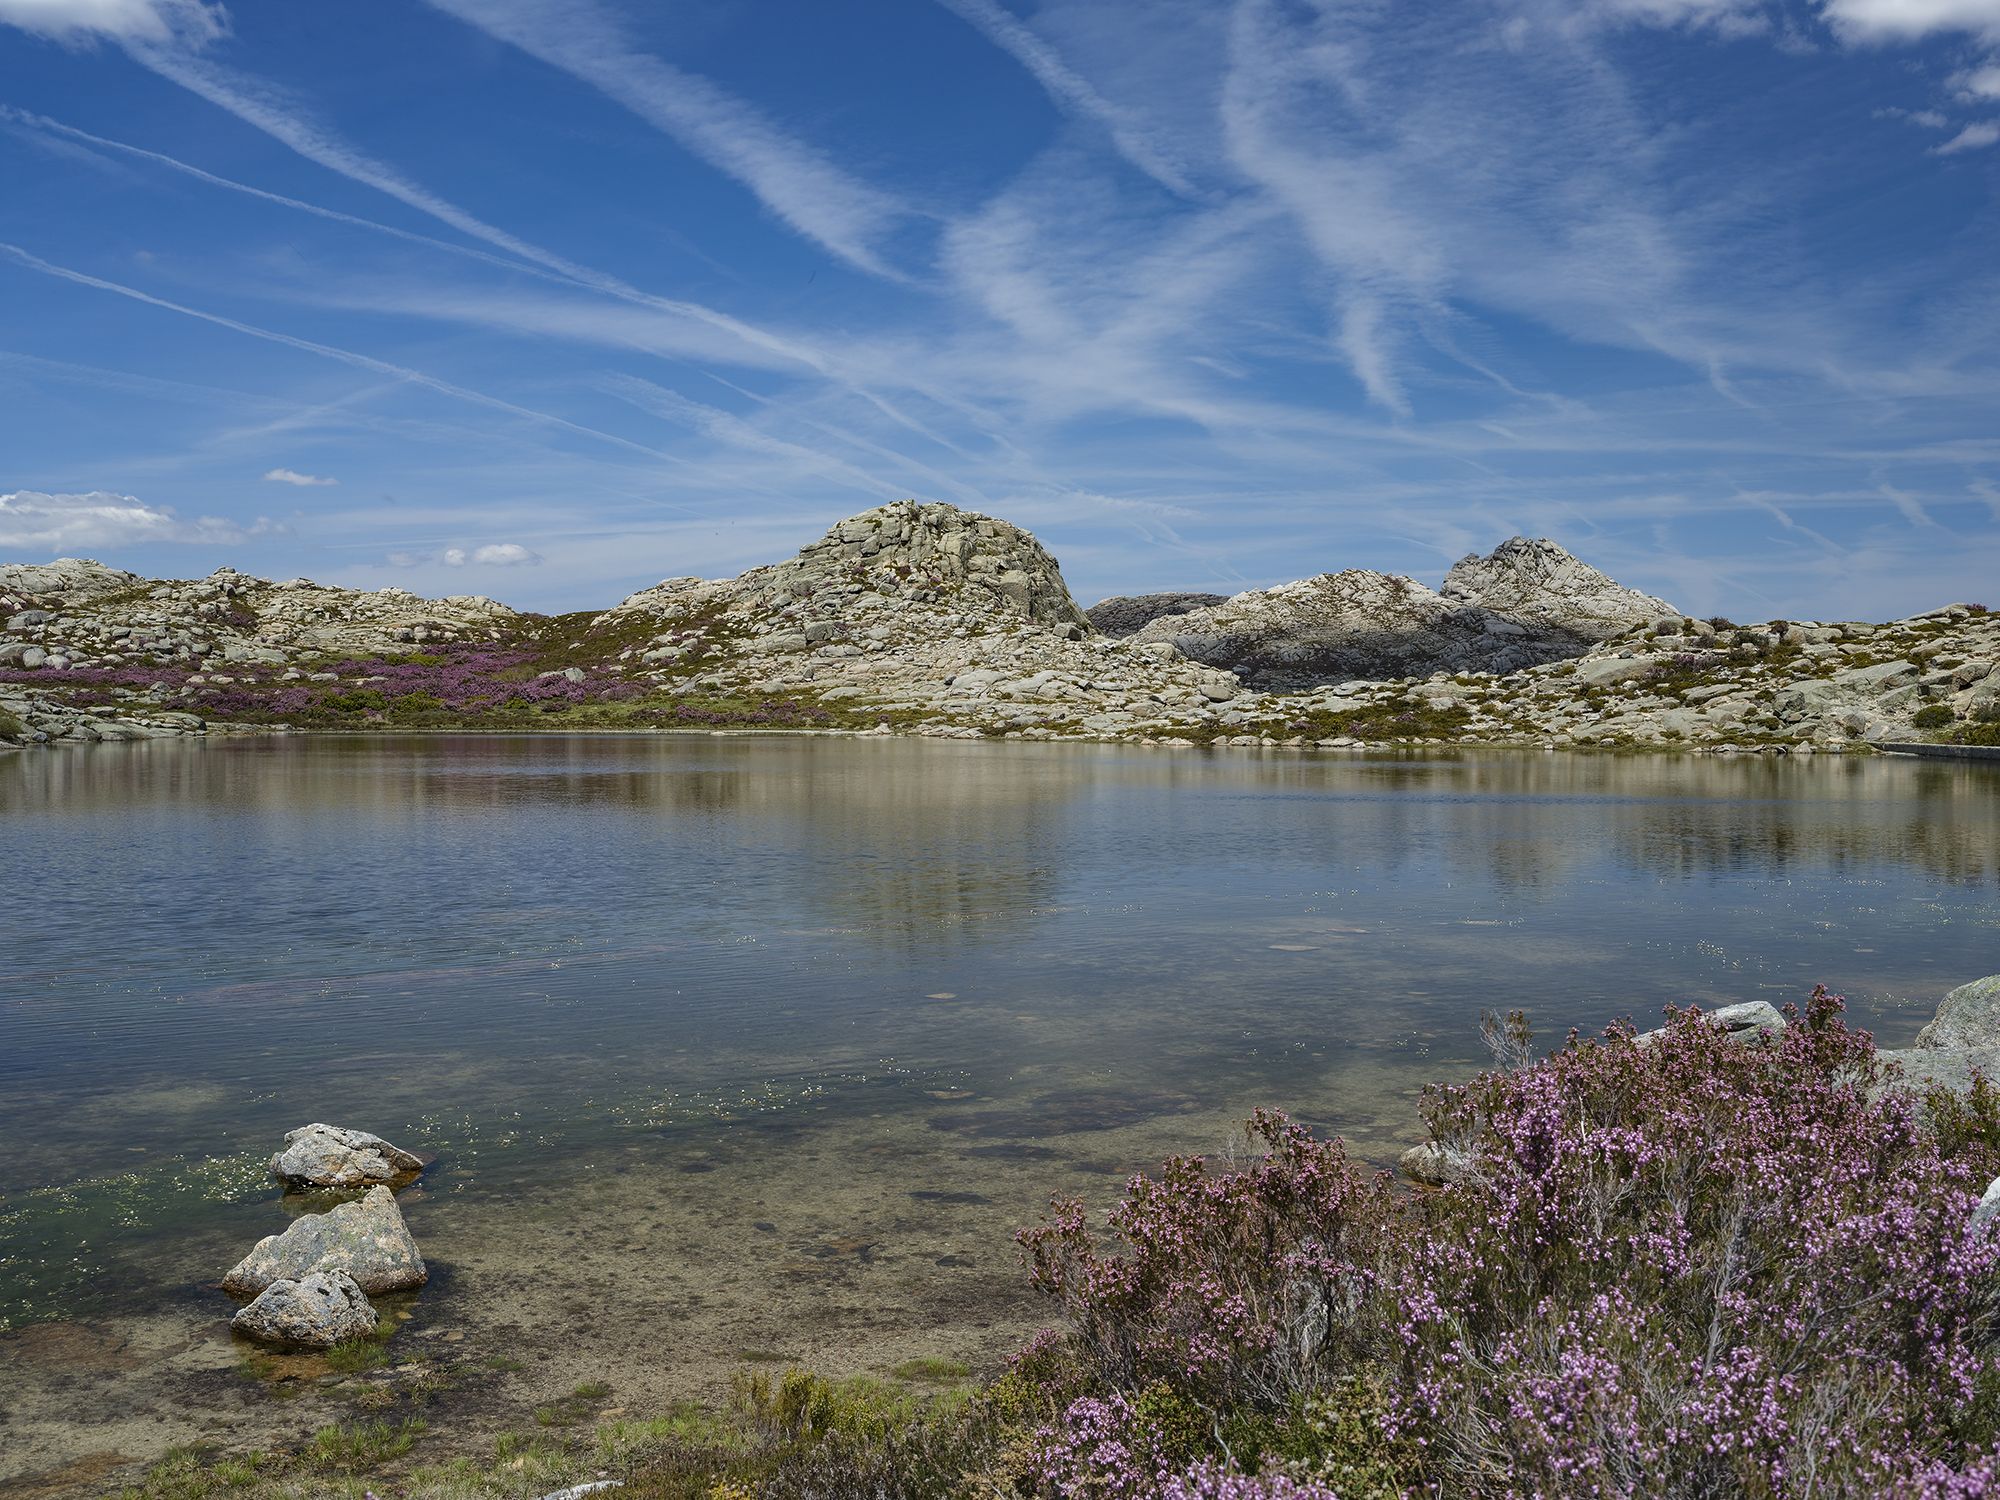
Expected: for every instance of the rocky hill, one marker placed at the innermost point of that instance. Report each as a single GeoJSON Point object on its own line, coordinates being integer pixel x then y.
{"type": "Point", "coordinates": [923, 618]}
{"type": "Point", "coordinates": [1526, 602]}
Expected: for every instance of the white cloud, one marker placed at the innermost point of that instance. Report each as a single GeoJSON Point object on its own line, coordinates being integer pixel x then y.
{"type": "Point", "coordinates": [1978, 83]}
{"type": "Point", "coordinates": [304, 481]}
{"type": "Point", "coordinates": [492, 555]}
{"type": "Point", "coordinates": [1910, 20]}
{"type": "Point", "coordinates": [1930, 119]}
{"type": "Point", "coordinates": [35, 520]}
{"type": "Point", "coordinates": [76, 21]}
{"type": "Point", "coordinates": [1972, 138]}
{"type": "Point", "coordinates": [504, 555]}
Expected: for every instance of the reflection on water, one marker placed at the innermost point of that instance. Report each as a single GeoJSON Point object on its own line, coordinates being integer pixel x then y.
{"type": "Point", "coordinates": [815, 1022]}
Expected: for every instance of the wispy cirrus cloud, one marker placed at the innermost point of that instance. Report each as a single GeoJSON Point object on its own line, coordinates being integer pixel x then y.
{"type": "Point", "coordinates": [796, 181]}
{"type": "Point", "coordinates": [1072, 92]}
{"type": "Point", "coordinates": [81, 21]}
{"type": "Point", "coordinates": [325, 351]}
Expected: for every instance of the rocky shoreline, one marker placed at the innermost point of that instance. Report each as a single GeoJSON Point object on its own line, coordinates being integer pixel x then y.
{"type": "Point", "coordinates": [925, 619]}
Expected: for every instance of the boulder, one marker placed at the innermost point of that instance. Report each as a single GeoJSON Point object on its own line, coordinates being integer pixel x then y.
{"type": "Point", "coordinates": [1967, 1017]}
{"type": "Point", "coordinates": [1750, 1021]}
{"type": "Point", "coordinates": [366, 1238]}
{"type": "Point", "coordinates": [1754, 1021]}
{"type": "Point", "coordinates": [313, 1311]}
{"type": "Point", "coordinates": [1988, 1208]}
{"type": "Point", "coordinates": [328, 1156]}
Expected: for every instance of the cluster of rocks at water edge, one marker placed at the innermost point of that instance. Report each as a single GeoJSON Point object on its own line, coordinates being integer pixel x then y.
{"type": "Point", "coordinates": [308, 1287]}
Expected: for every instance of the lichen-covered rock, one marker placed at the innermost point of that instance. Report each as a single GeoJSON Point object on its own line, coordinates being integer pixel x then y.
{"type": "Point", "coordinates": [329, 1156]}
{"type": "Point", "coordinates": [1969, 1016]}
{"type": "Point", "coordinates": [313, 1311]}
{"type": "Point", "coordinates": [366, 1238]}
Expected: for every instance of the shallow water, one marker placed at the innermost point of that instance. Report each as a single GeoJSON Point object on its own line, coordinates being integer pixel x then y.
{"type": "Point", "coordinates": [734, 1047]}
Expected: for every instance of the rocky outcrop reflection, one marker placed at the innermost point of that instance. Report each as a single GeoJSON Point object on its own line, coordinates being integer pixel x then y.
{"type": "Point", "coordinates": [905, 842]}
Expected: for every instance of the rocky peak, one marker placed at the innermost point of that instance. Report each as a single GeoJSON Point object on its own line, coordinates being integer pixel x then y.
{"type": "Point", "coordinates": [981, 563]}
{"type": "Point", "coordinates": [1538, 584]}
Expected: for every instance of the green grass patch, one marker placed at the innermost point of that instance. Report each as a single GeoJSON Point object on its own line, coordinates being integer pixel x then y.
{"type": "Point", "coordinates": [931, 1368]}
{"type": "Point", "coordinates": [354, 1447]}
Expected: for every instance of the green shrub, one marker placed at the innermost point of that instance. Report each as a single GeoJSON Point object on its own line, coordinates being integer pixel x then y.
{"type": "Point", "coordinates": [1932, 716]}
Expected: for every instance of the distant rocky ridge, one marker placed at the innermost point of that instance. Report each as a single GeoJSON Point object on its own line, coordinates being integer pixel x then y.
{"type": "Point", "coordinates": [1525, 603]}
{"type": "Point", "coordinates": [928, 619]}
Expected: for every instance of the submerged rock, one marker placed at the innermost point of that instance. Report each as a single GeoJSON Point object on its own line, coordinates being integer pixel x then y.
{"type": "Point", "coordinates": [314, 1311]}
{"type": "Point", "coordinates": [328, 1156]}
{"type": "Point", "coordinates": [367, 1239]}
{"type": "Point", "coordinates": [1967, 1017]}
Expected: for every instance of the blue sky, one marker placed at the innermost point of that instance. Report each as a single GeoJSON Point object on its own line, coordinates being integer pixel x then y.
{"type": "Point", "coordinates": [549, 299]}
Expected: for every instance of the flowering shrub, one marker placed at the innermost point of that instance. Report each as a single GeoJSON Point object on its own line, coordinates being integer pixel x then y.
{"type": "Point", "coordinates": [1211, 1481]}
{"type": "Point", "coordinates": [1683, 1265]}
{"type": "Point", "coordinates": [1232, 1282]}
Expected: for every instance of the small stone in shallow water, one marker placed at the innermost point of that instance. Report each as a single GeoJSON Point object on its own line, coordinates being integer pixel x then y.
{"type": "Point", "coordinates": [328, 1156]}
{"type": "Point", "coordinates": [315, 1311]}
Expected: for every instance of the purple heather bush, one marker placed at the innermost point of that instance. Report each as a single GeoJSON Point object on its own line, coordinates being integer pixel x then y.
{"type": "Point", "coordinates": [1679, 1265]}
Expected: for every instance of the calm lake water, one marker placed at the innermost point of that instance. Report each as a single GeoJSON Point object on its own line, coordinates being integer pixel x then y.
{"type": "Point", "coordinates": [736, 1048]}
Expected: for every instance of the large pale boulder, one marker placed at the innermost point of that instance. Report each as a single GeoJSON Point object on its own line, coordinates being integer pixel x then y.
{"type": "Point", "coordinates": [315, 1311]}
{"type": "Point", "coordinates": [1967, 1017]}
{"type": "Point", "coordinates": [328, 1156]}
{"type": "Point", "coordinates": [366, 1238]}
{"type": "Point", "coordinates": [1752, 1021]}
